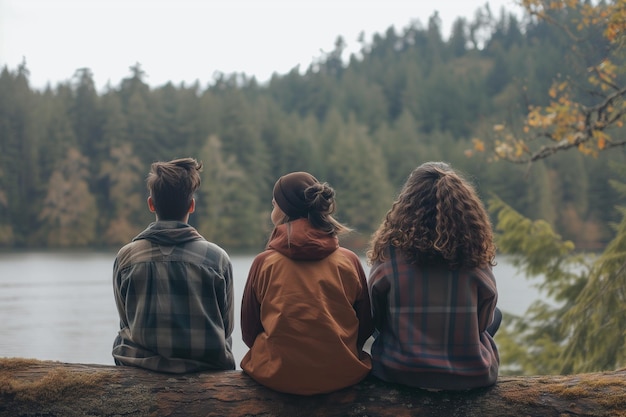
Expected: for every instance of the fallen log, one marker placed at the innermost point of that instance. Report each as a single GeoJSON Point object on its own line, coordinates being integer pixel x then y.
{"type": "Point", "coordinates": [45, 388]}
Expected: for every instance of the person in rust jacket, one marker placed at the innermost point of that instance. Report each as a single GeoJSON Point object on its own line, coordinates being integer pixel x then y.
{"type": "Point", "coordinates": [433, 291]}
{"type": "Point", "coordinates": [305, 312]}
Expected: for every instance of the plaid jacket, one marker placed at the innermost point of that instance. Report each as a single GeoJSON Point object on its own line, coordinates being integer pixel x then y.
{"type": "Point", "coordinates": [431, 325]}
{"type": "Point", "coordinates": [174, 295]}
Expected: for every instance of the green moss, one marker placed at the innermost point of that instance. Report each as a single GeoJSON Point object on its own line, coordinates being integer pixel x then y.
{"type": "Point", "coordinates": [56, 384]}
{"type": "Point", "coordinates": [610, 390]}
{"type": "Point", "coordinates": [17, 363]}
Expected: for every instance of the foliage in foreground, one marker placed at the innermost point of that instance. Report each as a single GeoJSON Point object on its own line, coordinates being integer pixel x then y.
{"type": "Point", "coordinates": [581, 326]}
{"type": "Point", "coordinates": [587, 106]}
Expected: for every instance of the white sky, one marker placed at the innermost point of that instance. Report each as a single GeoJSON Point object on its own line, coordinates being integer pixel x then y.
{"type": "Point", "coordinates": [189, 40]}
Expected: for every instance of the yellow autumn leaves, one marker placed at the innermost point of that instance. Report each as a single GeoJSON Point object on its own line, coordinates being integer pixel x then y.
{"type": "Point", "coordinates": [566, 122]}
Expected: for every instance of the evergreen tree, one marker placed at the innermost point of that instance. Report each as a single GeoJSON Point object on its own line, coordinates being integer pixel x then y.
{"type": "Point", "coordinates": [583, 330]}
{"type": "Point", "coordinates": [123, 174]}
{"type": "Point", "coordinates": [85, 113]}
{"type": "Point", "coordinates": [366, 100]}
{"type": "Point", "coordinates": [357, 171]}
{"type": "Point", "coordinates": [228, 208]}
{"type": "Point", "coordinates": [19, 136]}
{"type": "Point", "coordinates": [407, 97]}
{"type": "Point", "coordinates": [6, 229]}
{"type": "Point", "coordinates": [140, 118]}
{"type": "Point", "coordinates": [401, 146]}
{"type": "Point", "coordinates": [292, 142]}
{"type": "Point", "coordinates": [458, 38]}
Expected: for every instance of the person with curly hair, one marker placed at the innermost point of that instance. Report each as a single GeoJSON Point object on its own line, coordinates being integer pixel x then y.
{"type": "Point", "coordinates": [432, 289]}
{"type": "Point", "coordinates": [305, 312]}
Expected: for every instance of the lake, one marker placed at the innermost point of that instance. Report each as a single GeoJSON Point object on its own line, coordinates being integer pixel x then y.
{"type": "Point", "coordinates": [59, 305]}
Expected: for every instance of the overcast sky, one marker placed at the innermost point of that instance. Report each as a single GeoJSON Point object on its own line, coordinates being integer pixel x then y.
{"type": "Point", "coordinates": [188, 40]}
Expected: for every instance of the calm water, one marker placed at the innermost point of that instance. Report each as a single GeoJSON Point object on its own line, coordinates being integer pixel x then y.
{"type": "Point", "coordinates": [59, 306]}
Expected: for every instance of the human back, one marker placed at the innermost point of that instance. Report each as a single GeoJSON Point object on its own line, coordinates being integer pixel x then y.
{"type": "Point", "coordinates": [305, 309]}
{"type": "Point", "coordinates": [433, 291]}
{"type": "Point", "coordinates": [173, 289]}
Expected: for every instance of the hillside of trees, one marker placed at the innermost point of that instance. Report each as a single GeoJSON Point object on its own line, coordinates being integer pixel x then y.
{"type": "Point", "coordinates": [73, 160]}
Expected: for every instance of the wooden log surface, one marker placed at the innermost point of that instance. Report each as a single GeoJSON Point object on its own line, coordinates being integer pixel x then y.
{"type": "Point", "coordinates": [45, 388]}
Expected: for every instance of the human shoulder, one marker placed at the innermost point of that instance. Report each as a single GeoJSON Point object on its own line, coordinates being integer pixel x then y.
{"type": "Point", "coordinates": [262, 263]}
{"type": "Point", "coordinates": [268, 254]}
{"type": "Point", "coordinates": [350, 257]}
{"type": "Point", "coordinates": [206, 253]}
{"type": "Point", "coordinates": [215, 248]}
{"type": "Point", "coordinates": [127, 253]}
{"type": "Point", "coordinates": [484, 277]}
{"type": "Point", "coordinates": [348, 253]}
{"type": "Point", "coordinates": [484, 272]}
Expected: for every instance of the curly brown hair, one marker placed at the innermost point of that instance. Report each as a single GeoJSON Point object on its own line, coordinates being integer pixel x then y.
{"type": "Point", "coordinates": [437, 218]}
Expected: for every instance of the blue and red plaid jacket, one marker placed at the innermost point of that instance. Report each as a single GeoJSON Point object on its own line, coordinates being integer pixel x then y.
{"type": "Point", "coordinates": [431, 325]}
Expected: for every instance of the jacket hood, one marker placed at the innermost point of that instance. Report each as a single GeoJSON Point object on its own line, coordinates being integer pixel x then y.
{"type": "Point", "coordinates": [169, 233]}
{"type": "Point", "coordinates": [300, 241]}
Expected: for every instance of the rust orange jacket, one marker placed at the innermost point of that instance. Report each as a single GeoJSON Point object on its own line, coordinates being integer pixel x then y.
{"type": "Point", "coordinates": [306, 313]}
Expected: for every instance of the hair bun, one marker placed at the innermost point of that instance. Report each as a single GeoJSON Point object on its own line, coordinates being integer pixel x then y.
{"type": "Point", "coordinates": [320, 197]}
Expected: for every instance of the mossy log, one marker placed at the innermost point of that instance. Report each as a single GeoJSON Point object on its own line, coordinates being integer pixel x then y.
{"type": "Point", "coordinates": [45, 388]}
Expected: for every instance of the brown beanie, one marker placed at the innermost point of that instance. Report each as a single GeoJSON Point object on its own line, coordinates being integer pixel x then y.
{"type": "Point", "coordinates": [289, 193]}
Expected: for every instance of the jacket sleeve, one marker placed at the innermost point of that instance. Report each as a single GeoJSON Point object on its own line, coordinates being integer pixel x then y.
{"type": "Point", "coordinates": [363, 307]}
{"type": "Point", "coordinates": [251, 324]}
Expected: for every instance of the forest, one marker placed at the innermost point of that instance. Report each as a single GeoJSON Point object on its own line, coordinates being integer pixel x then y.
{"type": "Point", "coordinates": [531, 109]}
{"type": "Point", "coordinates": [73, 160]}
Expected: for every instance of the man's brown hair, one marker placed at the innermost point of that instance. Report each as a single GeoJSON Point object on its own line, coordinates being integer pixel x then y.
{"type": "Point", "coordinates": [172, 186]}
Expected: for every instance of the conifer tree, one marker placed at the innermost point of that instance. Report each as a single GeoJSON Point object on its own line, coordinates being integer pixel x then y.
{"type": "Point", "coordinates": [227, 207]}
{"type": "Point", "coordinates": [584, 329]}
{"type": "Point", "coordinates": [123, 174]}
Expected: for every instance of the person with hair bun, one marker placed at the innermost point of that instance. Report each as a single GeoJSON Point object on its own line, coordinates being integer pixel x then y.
{"type": "Point", "coordinates": [305, 311]}
{"type": "Point", "coordinates": [432, 288]}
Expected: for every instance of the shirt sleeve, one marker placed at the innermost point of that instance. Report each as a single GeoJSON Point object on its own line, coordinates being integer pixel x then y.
{"type": "Point", "coordinates": [229, 306]}
{"type": "Point", "coordinates": [251, 324]}
{"type": "Point", "coordinates": [363, 308]}
{"type": "Point", "coordinates": [117, 294]}
{"type": "Point", "coordinates": [487, 299]}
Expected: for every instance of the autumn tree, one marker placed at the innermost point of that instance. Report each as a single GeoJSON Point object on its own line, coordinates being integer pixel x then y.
{"type": "Point", "coordinates": [582, 329]}
{"type": "Point", "coordinates": [586, 108]}
{"type": "Point", "coordinates": [69, 210]}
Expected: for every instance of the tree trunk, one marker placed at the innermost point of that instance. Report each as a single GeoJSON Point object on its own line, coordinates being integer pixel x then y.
{"type": "Point", "coordinates": [44, 388]}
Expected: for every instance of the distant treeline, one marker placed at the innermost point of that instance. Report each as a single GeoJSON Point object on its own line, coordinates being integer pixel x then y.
{"type": "Point", "coordinates": [73, 160]}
